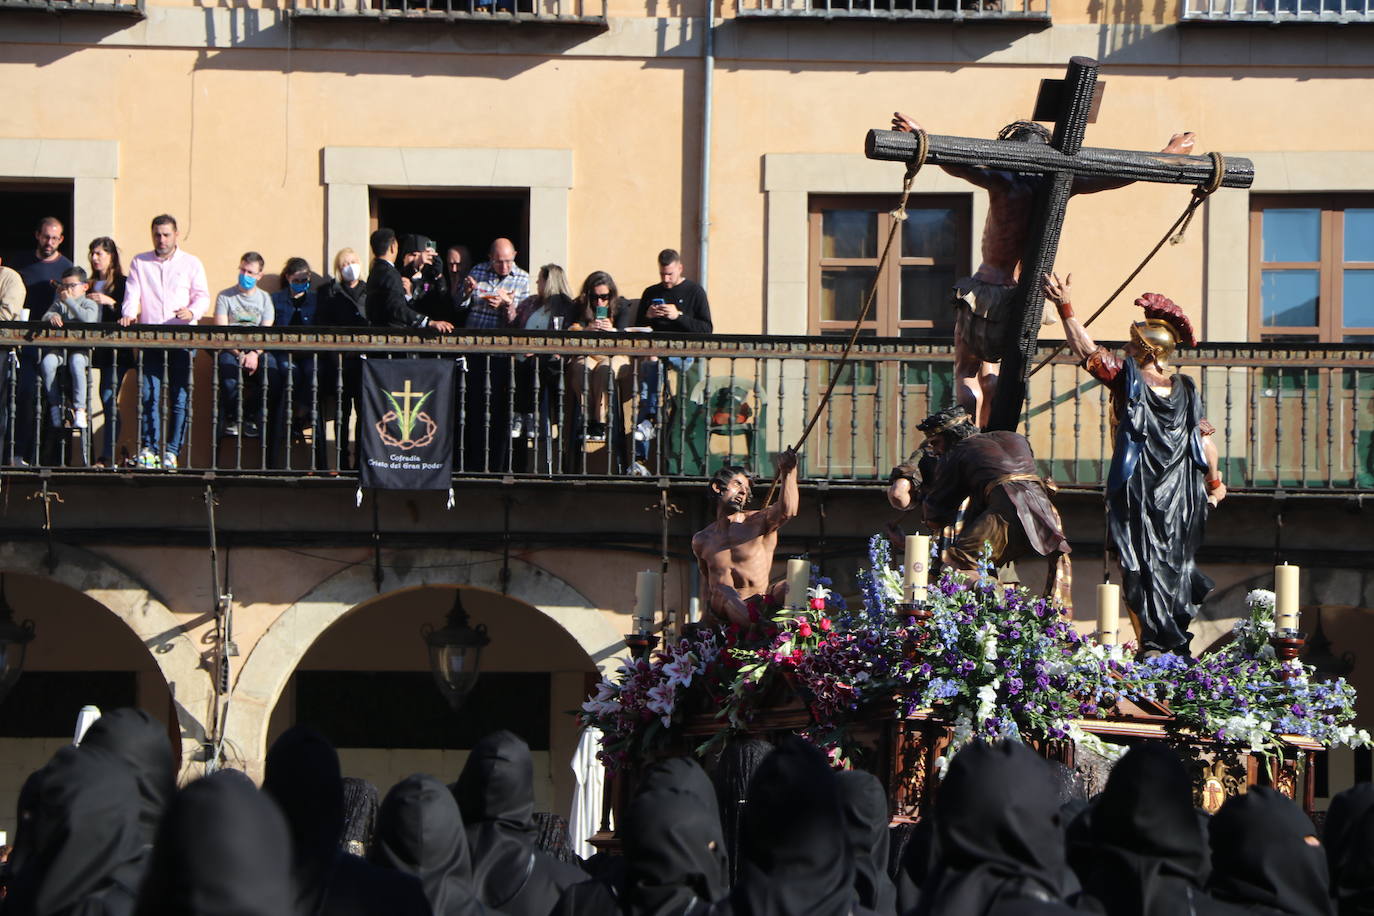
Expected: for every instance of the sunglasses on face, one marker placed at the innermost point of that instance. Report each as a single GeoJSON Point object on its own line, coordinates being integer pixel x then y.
{"type": "Point", "coordinates": [602, 296]}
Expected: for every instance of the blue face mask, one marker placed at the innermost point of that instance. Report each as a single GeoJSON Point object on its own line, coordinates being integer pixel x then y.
{"type": "Point", "coordinates": [247, 282]}
{"type": "Point", "coordinates": [298, 288]}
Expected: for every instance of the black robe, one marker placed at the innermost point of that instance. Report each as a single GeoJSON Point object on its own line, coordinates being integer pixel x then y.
{"type": "Point", "coordinates": [1348, 835]}
{"type": "Point", "coordinates": [420, 832]}
{"type": "Point", "coordinates": [302, 776]}
{"type": "Point", "coordinates": [1157, 504]}
{"type": "Point", "coordinates": [1000, 843]}
{"type": "Point", "coordinates": [795, 859]}
{"type": "Point", "coordinates": [86, 852]}
{"type": "Point", "coordinates": [674, 846]}
{"type": "Point", "coordinates": [1148, 852]}
{"type": "Point", "coordinates": [866, 819]}
{"type": "Point", "coordinates": [241, 867]}
{"type": "Point", "coordinates": [1261, 860]}
{"type": "Point", "coordinates": [495, 793]}
{"type": "Point", "coordinates": [141, 742]}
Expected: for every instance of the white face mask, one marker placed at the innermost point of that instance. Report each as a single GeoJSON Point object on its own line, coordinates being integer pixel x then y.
{"type": "Point", "coordinates": [350, 272]}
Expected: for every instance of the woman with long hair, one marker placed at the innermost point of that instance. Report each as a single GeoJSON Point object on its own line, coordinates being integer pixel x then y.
{"type": "Point", "coordinates": [599, 308]}
{"type": "Point", "coordinates": [551, 308]}
{"type": "Point", "coordinates": [343, 304]}
{"type": "Point", "coordinates": [107, 291]}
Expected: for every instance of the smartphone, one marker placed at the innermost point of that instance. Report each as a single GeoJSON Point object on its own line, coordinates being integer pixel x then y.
{"type": "Point", "coordinates": [603, 311]}
{"type": "Point", "coordinates": [656, 303]}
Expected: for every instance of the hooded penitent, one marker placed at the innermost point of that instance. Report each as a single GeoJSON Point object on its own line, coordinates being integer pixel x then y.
{"type": "Point", "coordinates": [420, 832]}
{"type": "Point", "coordinates": [139, 740]}
{"type": "Point", "coordinates": [1264, 856]}
{"type": "Point", "coordinates": [495, 793]}
{"type": "Point", "coordinates": [866, 822]}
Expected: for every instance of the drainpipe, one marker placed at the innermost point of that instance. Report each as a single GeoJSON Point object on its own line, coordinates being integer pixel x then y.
{"type": "Point", "coordinates": [708, 77]}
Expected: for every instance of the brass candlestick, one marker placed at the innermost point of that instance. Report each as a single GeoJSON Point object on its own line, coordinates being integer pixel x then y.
{"type": "Point", "coordinates": [641, 644]}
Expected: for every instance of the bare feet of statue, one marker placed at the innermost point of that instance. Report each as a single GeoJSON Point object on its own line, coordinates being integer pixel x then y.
{"type": "Point", "coordinates": [1181, 143]}
{"type": "Point", "coordinates": [904, 124]}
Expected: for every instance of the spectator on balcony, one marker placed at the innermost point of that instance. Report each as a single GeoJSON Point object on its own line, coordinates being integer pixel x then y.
{"type": "Point", "coordinates": [70, 307]}
{"type": "Point", "coordinates": [674, 305]}
{"type": "Point", "coordinates": [107, 291]}
{"type": "Point", "coordinates": [386, 304]}
{"type": "Point", "coordinates": [457, 265]}
{"type": "Point", "coordinates": [419, 265]}
{"type": "Point", "coordinates": [165, 286]}
{"type": "Point", "coordinates": [344, 305]}
{"type": "Point", "coordinates": [12, 294]}
{"type": "Point", "coordinates": [496, 287]}
{"type": "Point", "coordinates": [296, 381]}
{"type": "Point", "coordinates": [243, 305]}
{"type": "Point", "coordinates": [599, 308]}
{"type": "Point", "coordinates": [40, 273]}
{"type": "Point", "coordinates": [551, 308]}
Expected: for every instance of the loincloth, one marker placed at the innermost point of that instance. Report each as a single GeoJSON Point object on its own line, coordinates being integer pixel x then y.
{"type": "Point", "coordinates": [980, 313]}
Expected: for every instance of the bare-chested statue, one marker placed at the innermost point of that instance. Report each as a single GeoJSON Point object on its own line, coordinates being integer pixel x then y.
{"type": "Point", "coordinates": [735, 552]}
{"type": "Point", "coordinates": [982, 302]}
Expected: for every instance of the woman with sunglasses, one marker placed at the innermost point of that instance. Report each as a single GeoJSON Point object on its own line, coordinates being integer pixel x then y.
{"type": "Point", "coordinates": [107, 291]}
{"type": "Point", "coordinates": [599, 308]}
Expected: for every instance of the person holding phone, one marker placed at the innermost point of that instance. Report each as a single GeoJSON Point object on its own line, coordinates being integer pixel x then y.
{"type": "Point", "coordinates": [599, 308]}
{"type": "Point", "coordinates": [495, 288]}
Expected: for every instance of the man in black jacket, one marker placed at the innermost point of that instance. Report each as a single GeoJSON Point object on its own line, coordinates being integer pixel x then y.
{"type": "Point", "coordinates": [386, 299]}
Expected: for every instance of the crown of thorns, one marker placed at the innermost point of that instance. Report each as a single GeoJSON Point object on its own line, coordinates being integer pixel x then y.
{"type": "Point", "coordinates": [948, 418]}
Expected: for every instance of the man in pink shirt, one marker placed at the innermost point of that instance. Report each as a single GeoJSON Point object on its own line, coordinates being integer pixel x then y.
{"type": "Point", "coordinates": [165, 286]}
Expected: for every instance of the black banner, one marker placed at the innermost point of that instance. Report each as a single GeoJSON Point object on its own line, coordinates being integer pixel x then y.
{"type": "Point", "coordinates": [405, 433]}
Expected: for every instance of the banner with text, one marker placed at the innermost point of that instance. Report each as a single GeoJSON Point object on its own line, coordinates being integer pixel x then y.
{"type": "Point", "coordinates": [405, 434]}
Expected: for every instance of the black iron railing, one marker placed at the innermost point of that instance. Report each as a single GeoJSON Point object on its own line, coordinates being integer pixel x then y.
{"type": "Point", "coordinates": [584, 12]}
{"type": "Point", "coordinates": [121, 7]}
{"type": "Point", "coordinates": [1276, 11]}
{"type": "Point", "coordinates": [575, 405]}
{"type": "Point", "coordinates": [962, 10]}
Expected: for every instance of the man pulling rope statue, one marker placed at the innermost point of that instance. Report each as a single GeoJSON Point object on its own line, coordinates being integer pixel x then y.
{"type": "Point", "coordinates": [1009, 508]}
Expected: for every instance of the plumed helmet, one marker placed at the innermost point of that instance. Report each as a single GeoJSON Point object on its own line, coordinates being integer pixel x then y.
{"type": "Point", "coordinates": [1164, 328]}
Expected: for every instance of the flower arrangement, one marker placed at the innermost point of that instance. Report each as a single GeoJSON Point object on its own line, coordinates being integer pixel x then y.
{"type": "Point", "coordinates": [991, 660]}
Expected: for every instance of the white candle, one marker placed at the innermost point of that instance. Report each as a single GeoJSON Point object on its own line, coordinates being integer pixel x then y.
{"type": "Point", "coordinates": [1108, 613]}
{"type": "Point", "coordinates": [798, 581]}
{"type": "Point", "coordinates": [917, 568]}
{"type": "Point", "coordinates": [646, 599]}
{"type": "Point", "coordinates": [1286, 597]}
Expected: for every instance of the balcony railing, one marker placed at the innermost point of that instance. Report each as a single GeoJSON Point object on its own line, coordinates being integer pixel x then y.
{"type": "Point", "coordinates": [992, 10]}
{"type": "Point", "coordinates": [1274, 11]}
{"type": "Point", "coordinates": [119, 7]}
{"type": "Point", "coordinates": [576, 12]}
{"type": "Point", "coordinates": [1285, 417]}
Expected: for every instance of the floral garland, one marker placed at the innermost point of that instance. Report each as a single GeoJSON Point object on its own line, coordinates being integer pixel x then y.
{"type": "Point", "coordinates": [995, 661]}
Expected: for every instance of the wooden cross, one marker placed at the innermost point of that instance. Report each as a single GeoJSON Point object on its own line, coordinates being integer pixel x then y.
{"type": "Point", "coordinates": [1070, 103]}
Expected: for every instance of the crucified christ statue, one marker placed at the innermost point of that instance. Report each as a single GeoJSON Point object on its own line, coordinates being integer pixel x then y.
{"type": "Point", "coordinates": [983, 301]}
{"type": "Point", "coordinates": [735, 552]}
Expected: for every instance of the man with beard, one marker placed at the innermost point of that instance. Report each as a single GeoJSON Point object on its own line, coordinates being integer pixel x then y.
{"type": "Point", "coordinates": [735, 552]}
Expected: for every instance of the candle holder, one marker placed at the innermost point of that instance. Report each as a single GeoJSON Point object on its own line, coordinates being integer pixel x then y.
{"type": "Point", "coordinates": [641, 644]}
{"type": "Point", "coordinates": [917, 609]}
{"type": "Point", "coordinates": [1287, 645]}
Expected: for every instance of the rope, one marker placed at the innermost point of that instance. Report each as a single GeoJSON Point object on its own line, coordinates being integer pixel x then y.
{"type": "Point", "coordinates": [898, 217]}
{"type": "Point", "coordinates": [1174, 236]}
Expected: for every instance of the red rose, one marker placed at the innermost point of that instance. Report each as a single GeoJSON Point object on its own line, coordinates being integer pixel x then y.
{"type": "Point", "coordinates": [817, 604]}
{"type": "Point", "coordinates": [804, 630]}
{"type": "Point", "coordinates": [825, 624]}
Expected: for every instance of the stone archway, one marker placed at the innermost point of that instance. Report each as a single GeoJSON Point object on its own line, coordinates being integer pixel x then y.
{"type": "Point", "coordinates": [175, 654]}
{"type": "Point", "coordinates": [269, 665]}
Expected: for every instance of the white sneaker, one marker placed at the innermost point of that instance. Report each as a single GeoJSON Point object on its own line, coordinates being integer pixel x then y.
{"type": "Point", "coordinates": [516, 427]}
{"type": "Point", "coordinates": [169, 461]}
{"type": "Point", "coordinates": [639, 470]}
{"type": "Point", "coordinates": [147, 458]}
{"type": "Point", "coordinates": [81, 421]}
{"type": "Point", "coordinates": [644, 430]}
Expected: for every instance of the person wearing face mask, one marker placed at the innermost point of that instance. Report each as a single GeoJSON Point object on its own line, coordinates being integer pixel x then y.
{"type": "Point", "coordinates": [70, 307]}
{"type": "Point", "coordinates": [243, 305]}
{"type": "Point", "coordinates": [1164, 477]}
{"type": "Point", "coordinates": [296, 381]}
{"type": "Point", "coordinates": [343, 304]}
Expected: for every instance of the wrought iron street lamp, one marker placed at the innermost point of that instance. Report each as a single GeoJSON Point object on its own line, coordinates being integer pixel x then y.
{"type": "Point", "coordinates": [14, 642]}
{"type": "Point", "coordinates": [455, 653]}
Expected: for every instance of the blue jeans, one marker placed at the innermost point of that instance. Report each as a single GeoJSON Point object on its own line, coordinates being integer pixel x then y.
{"type": "Point", "coordinates": [651, 390]}
{"type": "Point", "coordinates": [230, 390]}
{"type": "Point", "coordinates": [113, 366]}
{"type": "Point", "coordinates": [77, 364]}
{"type": "Point", "coordinates": [178, 367]}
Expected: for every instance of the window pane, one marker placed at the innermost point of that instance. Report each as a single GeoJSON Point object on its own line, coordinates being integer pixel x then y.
{"type": "Point", "coordinates": [843, 291]}
{"type": "Point", "coordinates": [1359, 235]}
{"type": "Point", "coordinates": [926, 294]}
{"type": "Point", "coordinates": [931, 234]}
{"type": "Point", "coordinates": [849, 234]}
{"type": "Point", "coordinates": [1292, 235]}
{"type": "Point", "coordinates": [1357, 299]}
{"type": "Point", "coordinates": [1288, 298]}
